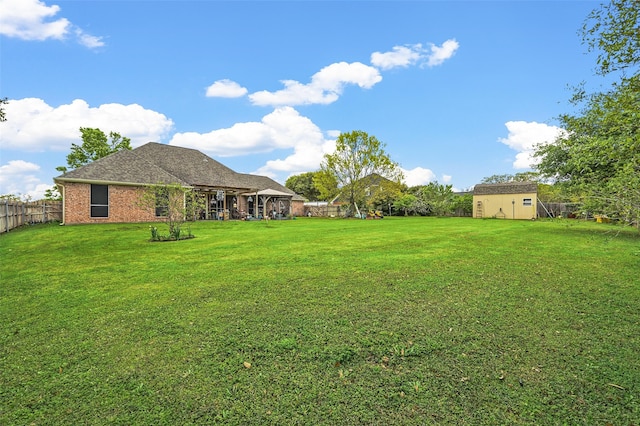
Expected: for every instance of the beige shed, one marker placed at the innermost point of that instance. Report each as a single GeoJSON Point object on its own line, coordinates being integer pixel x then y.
{"type": "Point", "coordinates": [511, 200]}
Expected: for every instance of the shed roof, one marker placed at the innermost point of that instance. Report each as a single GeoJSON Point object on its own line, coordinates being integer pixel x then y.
{"type": "Point", "coordinates": [505, 188]}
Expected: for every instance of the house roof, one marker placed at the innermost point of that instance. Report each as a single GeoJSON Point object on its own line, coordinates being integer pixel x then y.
{"type": "Point", "coordinates": [155, 163]}
{"type": "Point", "coordinates": [190, 165]}
{"type": "Point", "coordinates": [505, 188]}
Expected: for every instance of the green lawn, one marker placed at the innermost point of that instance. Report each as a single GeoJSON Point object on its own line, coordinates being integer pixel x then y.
{"type": "Point", "coordinates": [314, 321]}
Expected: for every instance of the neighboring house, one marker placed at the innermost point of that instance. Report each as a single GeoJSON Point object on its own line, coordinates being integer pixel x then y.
{"type": "Point", "coordinates": [372, 186]}
{"type": "Point", "coordinates": [108, 190]}
{"type": "Point", "coordinates": [511, 200]}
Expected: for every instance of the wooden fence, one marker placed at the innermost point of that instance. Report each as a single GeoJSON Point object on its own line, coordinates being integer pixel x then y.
{"type": "Point", "coordinates": [17, 213]}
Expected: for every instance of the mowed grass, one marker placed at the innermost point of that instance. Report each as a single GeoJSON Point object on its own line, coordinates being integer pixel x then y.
{"type": "Point", "coordinates": [322, 322]}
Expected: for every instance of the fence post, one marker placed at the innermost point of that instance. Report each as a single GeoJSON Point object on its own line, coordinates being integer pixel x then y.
{"type": "Point", "coordinates": [6, 209]}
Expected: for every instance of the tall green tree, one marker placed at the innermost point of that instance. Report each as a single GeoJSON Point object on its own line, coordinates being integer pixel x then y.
{"type": "Point", "coordinates": [95, 145]}
{"type": "Point", "coordinates": [302, 184]}
{"type": "Point", "coordinates": [434, 199]}
{"type": "Point", "coordinates": [599, 156]}
{"type": "Point", "coordinates": [357, 156]}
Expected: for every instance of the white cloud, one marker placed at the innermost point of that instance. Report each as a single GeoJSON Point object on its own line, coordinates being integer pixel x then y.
{"type": "Point", "coordinates": [418, 176]}
{"type": "Point", "coordinates": [400, 56]}
{"type": "Point", "coordinates": [225, 89]}
{"type": "Point", "coordinates": [306, 156]}
{"type": "Point", "coordinates": [34, 20]}
{"type": "Point", "coordinates": [87, 40]}
{"type": "Point", "coordinates": [439, 54]}
{"type": "Point", "coordinates": [18, 167]}
{"type": "Point", "coordinates": [17, 178]}
{"type": "Point", "coordinates": [325, 87]}
{"type": "Point", "coordinates": [29, 20]}
{"type": "Point", "coordinates": [525, 136]}
{"type": "Point", "coordinates": [33, 125]}
{"type": "Point", "coordinates": [446, 178]}
{"type": "Point", "coordinates": [37, 191]}
{"type": "Point", "coordinates": [404, 56]}
{"type": "Point", "coordinates": [284, 128]}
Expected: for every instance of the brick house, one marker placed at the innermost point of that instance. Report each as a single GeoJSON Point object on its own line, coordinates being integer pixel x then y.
{"type": "Point", "coordinates": [510, 200]}
{"type": "Point", "coordinates": [108, 190]}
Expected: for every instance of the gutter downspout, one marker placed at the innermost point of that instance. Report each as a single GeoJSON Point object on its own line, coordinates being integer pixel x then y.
{"type": "Point", "coordinates": [64, 202]}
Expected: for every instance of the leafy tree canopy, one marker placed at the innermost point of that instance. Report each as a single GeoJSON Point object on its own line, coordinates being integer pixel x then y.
{"type": "Point", "coordinates": [406, 203]}
{"type": "Point", "coordinates": [518, 177]}
{"type": "Point", "coordinates": [95, 145]}
{"type": "Point", "coordinates": [433, 199]}
{"type": "Point", "coordinates": [357, 156]}
{"type": "Point", "coordinates": [303, 185]}
{"type": "Point", "coordinates": [599, 156]}
{"type": "Point", "coordinates": [612, 31]}
{"type": "Point", "coordinates": [10, 197]}
{"type": "Point", "coordinates": [52, 194]}
{"type": "Point", "coordinates": [326, 184]}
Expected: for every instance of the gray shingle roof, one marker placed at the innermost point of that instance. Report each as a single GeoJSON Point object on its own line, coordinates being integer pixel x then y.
{"type": "Point", "coordinates": [189, 165]}
{"type": "Point", "coordinates": [123, 167]}
{"type": "Point", "coordinates": [155, 163]}
{"type": "Point", "coordinates": [505, 188]}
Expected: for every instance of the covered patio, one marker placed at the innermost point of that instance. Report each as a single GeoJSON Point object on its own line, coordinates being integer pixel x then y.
{"type": "Point", "coordinates": [247, 204]}
{"type": "Point", "coordinates": [269, 203]}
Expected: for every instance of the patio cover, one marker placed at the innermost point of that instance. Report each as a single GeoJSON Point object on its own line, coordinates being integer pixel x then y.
{"type": "Point", "coordinates": [270, 193]}
{"type": "Point", "coordinates": [267, 194]}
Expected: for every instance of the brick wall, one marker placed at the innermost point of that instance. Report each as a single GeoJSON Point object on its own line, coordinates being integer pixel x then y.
{"type": "Point", "coordinates": [297, 208]}
{"type": "Point", "coordinates": [123, 205]}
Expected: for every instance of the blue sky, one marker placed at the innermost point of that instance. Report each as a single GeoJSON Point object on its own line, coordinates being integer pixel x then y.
{"type": "Point", "coordinates": [456, 90]}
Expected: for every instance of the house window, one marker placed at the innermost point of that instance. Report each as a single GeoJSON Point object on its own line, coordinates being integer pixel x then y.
{"type": "Point", "coordinates": [527, 202]}
{"type": "Point", "coordinates": [162, 202]}
{"type": "Point", "coordinates": [99, 201]}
